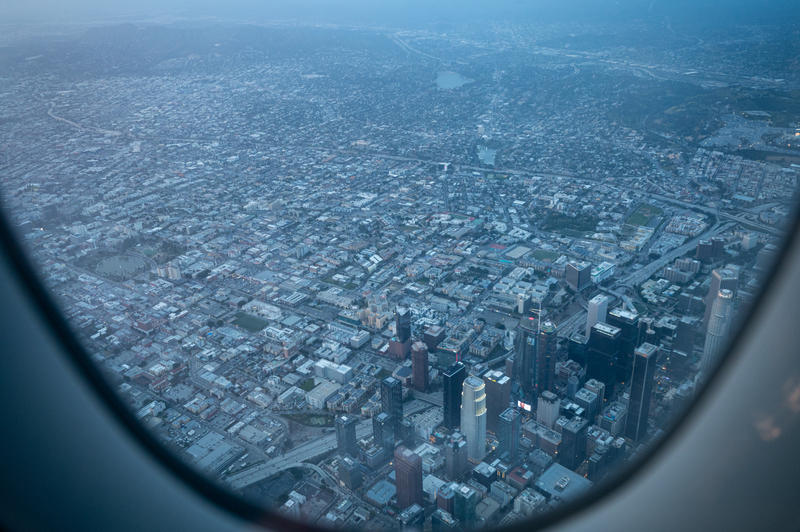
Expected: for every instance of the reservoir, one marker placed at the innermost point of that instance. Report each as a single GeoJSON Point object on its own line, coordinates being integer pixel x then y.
{"type": "Point", "coordinates": [451, 80]}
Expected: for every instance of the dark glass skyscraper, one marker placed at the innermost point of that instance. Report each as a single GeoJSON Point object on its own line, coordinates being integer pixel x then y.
{"type": "Point", "coordinates": [546, 358]}
{"type": "Point", "coordinates": [509, 433]}
{"type": "Point", "coordinates": [403, 324]}
{"type": "Point", "coordinates": [346, 435]}
{"type": "Point", "coordinates": [392, 400]}
{"type": "Point", "coordinates": [456, 462]}
{"type": "Point", "coordinates": [525, 354]}
{"type": "Point", "coordinates": [572, 451]}
{"type": "Point", "coordinates": [453, 379]}
{"type": "Point", "coordinates": [408, 473]}
{"type": "Point", "coordinates": [628, 324]}
{"type": "Point", "coordinates": [602, 354]}
{"type": "Point", "coordinates": [383, 431]}
{"type": "Point", "coordinates": [644, 369]}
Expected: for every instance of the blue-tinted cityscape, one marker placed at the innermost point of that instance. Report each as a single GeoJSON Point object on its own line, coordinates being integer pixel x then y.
{"type": "Point", "coordinates": [438, 278]}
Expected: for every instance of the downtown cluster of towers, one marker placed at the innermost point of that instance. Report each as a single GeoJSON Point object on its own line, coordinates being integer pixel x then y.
{"type": "Point", "coordinates": [620, 352]}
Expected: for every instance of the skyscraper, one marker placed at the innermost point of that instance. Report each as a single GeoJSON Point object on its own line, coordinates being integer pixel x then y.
{"type": "Point", "coordinates": [498, 395]}
{"type": "Point", "coordinates": [602, 354]}
{"type": "Point", "coordinates": [455, 456]}
{"type": "Point", "coordinates": [723, 278]}
{"type": "Point", "coordinates": [525, 354]}
{"type": "Point", "coordinates": [510, 427]}
{"type": "Point", "coordinates": [453, 379]}
{"type": "Point", "coordinates": [642, 378]}
{"type": "Point", "coordinates": [383, 431]}
{"type": "Point", "coordinates": [403, 324]}
{"type": "Point", "coordinates": [593, 385]}
{"type": "Point", "coordinates": [598, 307]}
{"type": "Point", "coordinates": [572, 451]}
{"type": "Point", "coordinates": [577, 348]}
{"type": "Point", "coordinates": [419, 366]}
{"type": "Point", "coordinates": [579, 275]}
{"type": "Point", "coordinates": [628, 324]}
{"type": "Point", "coordinates": [408, 473]}
{"type": "Point", "coordinates": [718, 325]}
{"type": "Point", "coordinates": [548, 409]}
{"type": "Point", "coordinates": [466, 500]}
{"type": "Point", "coordinates": [346, 435]}
{"type": "Point", "coordinates": [473, 417]}
{"type": "Point", "coordinates": [546, 358]}
{"type": "Point", "coordinates": [350, 472]}
{"type": "Point", "coordinates": [392, 400]}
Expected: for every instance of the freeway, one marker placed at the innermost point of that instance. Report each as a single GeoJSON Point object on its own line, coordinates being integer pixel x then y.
{"type": "Point", "coordinates": [308, 451]}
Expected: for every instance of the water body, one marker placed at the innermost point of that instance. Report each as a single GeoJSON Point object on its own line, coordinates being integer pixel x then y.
{"type": "Point", "coordinates": [486, 155]}
{"type": "Point", "coordinates": [451, 80]}
{"type": "Point", "coordinates": [120, 266]}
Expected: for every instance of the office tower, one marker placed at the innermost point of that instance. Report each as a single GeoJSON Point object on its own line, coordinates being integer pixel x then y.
{"type": "Point", "coordinates": [408, 473]}
{"type": "Point", "coordinates": [350, 472]}
{"type": "Point", "coordinates": [525, 354]}
{"type": "Point", "coordinates": [724, 278]}
{"type": "Point", "coordinates": [442, 521]}
{"type": "Point", "coordinates": [684, 337]}
{"type": "Point", "coordinates": [392, 401]}
{"type": "Point", "coordinates": [598, 307]}
{"type": "Point", "coordinates": [445, 497]}
{"type": "Point", "coordinates": [548, 409]}
{"type": "Point", "coordinates": [572, 386]}
{"type": "Point", "coordinates": [589, 402]}
{"type": "Point", "coordinates": [473, 417]}
{"type": "Point", "coordinates": [403, 324]}
{"type": "Point", "coordinates": [383, 431]}
{"type": "Point", "coordinates": [455, 456]}
{"type": "Point", "coordinates": [346, 435]}
{"type": "Point", "coordinates": [593, 385]}
{"type": "Point", "coordinates": [721, 317]}
{"type": "Point", "coordinates": [411, 519]}
{"type": "Point", "coordinates": [509, 433]}
{"type": "Point", "coordinates": [572, 451]}
{"type": "Point", "coordinates": [579, 275]}
{"type": "Point", "coordinates": [766, 257]}
{"type": "Point", "coordinates": [466, 499]}
{"type": "Point", "coordinates": [602, 354]}
{"type": "Point", "coordinates": [510, 366]}
{"type": "Point", "coordinates": [419, 365]}
{"type": "Point", "coordinates": [547, 356]}
{"type": "Point", "coordinates": [453, 379]}
{"type": "Point", "coordinates": [717, 247]}
{"type": "Point", "coordinates": [434, 336]}
{"type": "Point", "coordinates": [498, 395]}
{"type": "Point", "coordinates": [577, 348]}
{"type": "Point", "coordinates": [705, 251]}
{"type": "Point", "coordinates": [628, 324]}
{"type": "Point", "coordinates": [642, 378]}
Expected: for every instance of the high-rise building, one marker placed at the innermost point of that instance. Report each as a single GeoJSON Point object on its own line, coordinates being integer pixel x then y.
{"type": "Point", "coordinates": [346, 435]}
{"type": "Point", "coordinates": [419, 366]}
{"type": "Point", "coordinates": [453, 379]}
{"type": "Point", "coordinates": [628, 324]}
{"type": "Point", "coordinates": [350, 472]}
{"type": "Point", "coordinates": [510, 427]}
{"type": "Point", "coordinates": [602, 354]}
{"type": "Point", "coordinates": [498, 395]}
{"type": "Point", "coordinates": [525, 354]}
{"type": "Point", "coordinates": [402, 324]}
{"type": "Point", "coordinates": [383, 431]}
{"type": "Point", "coordinates": [574, 435]}
{"type": "Point", "coordinates": [433, 336]}
{"type": "Point", "coordinates": [642, 379]}
{"type": "Point", "coordinates": [705, 251]}
{"type": "Point", "coordinates": [684, 337]}
{"type": "Point", "coordinates": [455, 456]}
{"type": "Point", "coordinates": [598, 307]}
{"type": "Point", "coordinates": [588, 401]}
{"type": "Point", "coordinates": [445, 497]}
{"type": "Point", "coordinates": [593, 385]}
{"type": "Point", "coordinates": [408, 478]}
{"type": "Point", "coordinates": [442, 521]}
{"type": "Point", "coordinates": [473, 417]}
{"type": "Point", "coordinates": [548, 409]}
{"type": "Point", "coordinates": [717, 247]}
{"type": "Point", "coordinates": [466, 500]}
{"type": "Point", "coordinates": [392, 401]}
{"type": "Point", "coordinates": [579, 275]}
{"type": "Point", "coordinates": [724, 278]}
{"type": "Point", "coordinates": [718, 326]}
{"type": "Point", "coordinates": [547, 356]}
{"type": "Point", "coordinates": [411, 519]}
{"type": "Point", "coordinates": [577, 348]}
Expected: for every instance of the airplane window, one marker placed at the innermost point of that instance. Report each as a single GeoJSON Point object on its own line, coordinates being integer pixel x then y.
{"type": "Point", "coordinates": [430, 266]}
